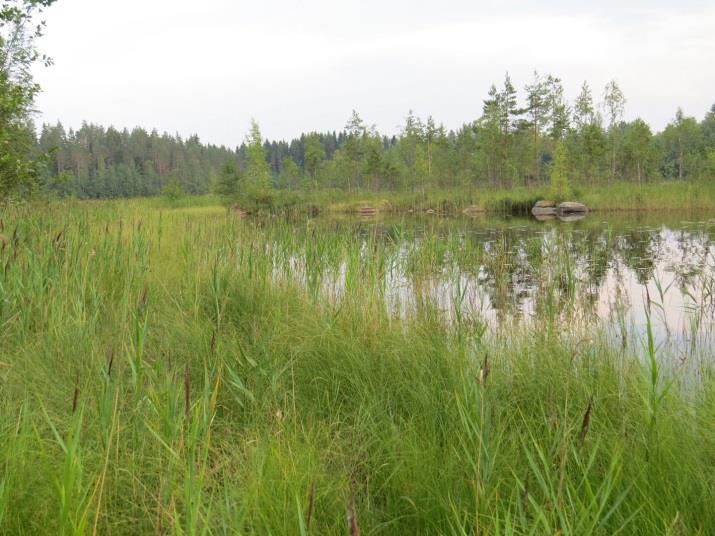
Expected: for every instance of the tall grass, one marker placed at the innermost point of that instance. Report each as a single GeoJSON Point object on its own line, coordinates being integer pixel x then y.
{"type": "Point", "coordinates": [165, 371]}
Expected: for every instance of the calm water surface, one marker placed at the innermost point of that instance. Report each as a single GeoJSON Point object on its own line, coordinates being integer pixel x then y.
{"type": "Point", "coordinates": [508, 274]}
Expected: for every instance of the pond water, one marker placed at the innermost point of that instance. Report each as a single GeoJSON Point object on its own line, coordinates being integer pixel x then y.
{"type": "Point", "coordinates": [610, 270]}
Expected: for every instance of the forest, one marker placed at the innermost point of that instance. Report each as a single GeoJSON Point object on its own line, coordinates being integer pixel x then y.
{"type": "Point", "coordinates": [512, 144]}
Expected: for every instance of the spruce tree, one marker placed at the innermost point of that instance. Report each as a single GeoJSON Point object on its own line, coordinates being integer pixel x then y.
{"type": "Point", "coordinates": [227, 183]}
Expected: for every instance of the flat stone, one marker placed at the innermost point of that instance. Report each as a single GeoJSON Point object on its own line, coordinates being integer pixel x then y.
{"type": "Point", "coordinates": [543, 211]}
{"type": "Point", "coordinates": [572, 207]}
{"type": "Point", "coordinates": [545, 204]}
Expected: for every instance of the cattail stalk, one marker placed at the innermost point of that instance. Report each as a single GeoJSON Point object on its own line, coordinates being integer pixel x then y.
{"type": "Point", "coordinates": [311, 505]}
{"type": "Point", "coordinates": [586, 422]}
{"type": "Point", "coordinates": [187, 391]}
{"type": "Point", "coordinates": [352, 519]}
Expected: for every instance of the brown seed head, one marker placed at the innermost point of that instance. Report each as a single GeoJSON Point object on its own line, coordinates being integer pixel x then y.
{"type": "Point", "coordinates": [586, 422]}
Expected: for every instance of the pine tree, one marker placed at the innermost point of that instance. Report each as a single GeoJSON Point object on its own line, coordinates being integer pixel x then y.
{"type": "Point", "coordinates": [354, 146]}
{"type": "Point", "coordinates": [559, 112]}
{"type": "Point", "coordinates": [584, 112]}
{"type": "Point", "coordinates": [508, 108]}
{"type": "Point", "coordinates": [537, 94]}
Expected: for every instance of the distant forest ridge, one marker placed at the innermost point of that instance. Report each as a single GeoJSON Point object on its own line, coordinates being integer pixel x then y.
{"type": "Point", "coordinates": [513, 143]}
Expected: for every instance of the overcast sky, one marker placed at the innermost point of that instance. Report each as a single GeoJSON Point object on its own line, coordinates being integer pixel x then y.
{"type": "Point", "coordinates": [208, 66]}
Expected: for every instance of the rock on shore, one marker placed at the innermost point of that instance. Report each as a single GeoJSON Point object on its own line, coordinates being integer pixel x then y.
{"type": "Point", "coordinates": [547, 209]}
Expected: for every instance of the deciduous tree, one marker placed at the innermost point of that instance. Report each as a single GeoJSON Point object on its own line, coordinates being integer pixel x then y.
{"type": "Point", "coordinates": [19, 30]}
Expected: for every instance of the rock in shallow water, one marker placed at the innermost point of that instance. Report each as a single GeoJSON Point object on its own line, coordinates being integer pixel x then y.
{"type": "Point", "coordinates": [567, 211]}
{"type": "Point", "coordinates": [543, 211]}
{"type": "Point", "coordinates": [571, 207]}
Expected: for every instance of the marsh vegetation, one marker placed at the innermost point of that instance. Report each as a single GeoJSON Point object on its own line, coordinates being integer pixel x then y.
{"type": "Point", "coordinates": [186, 370]}
{"type": "Point", "coordinates": [236, 351]}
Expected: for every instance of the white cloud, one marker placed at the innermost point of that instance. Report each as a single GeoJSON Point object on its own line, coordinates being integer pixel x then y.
{"type": "Point", "coordinates": [207, 67]}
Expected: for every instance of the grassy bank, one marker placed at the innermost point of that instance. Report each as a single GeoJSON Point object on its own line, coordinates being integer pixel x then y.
{"type": "Point", "coordinates": [617, 197]}
{"type": "Point", "coordinates": [621, 196]}
{"type": "Point", "coordinates": [155, 377]}
{"type": "Point", "coordinates": [665, 196]}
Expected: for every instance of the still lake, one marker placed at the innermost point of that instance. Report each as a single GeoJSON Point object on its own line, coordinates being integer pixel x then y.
{"type": "Point", "coordinates": [610, 271]}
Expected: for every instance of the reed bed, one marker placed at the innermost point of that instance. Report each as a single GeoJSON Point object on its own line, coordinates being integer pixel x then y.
{"type": "Point", "coordinates": [186, 371]}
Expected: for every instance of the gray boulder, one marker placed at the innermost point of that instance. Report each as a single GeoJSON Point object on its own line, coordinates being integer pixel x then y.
{"type": "Point", "coordinates": [571, 207]}
{"type": "Point", "coordinates": [543, 211]}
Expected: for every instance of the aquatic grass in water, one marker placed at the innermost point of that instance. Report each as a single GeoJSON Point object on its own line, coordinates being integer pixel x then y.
{"type": "Point", "coordinates": [187, 371]}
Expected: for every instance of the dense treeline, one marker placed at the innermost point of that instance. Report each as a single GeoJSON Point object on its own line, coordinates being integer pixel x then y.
{"type": "Point", "coordinates": [95, 162]}
{"type": "Point", "coordinates": [518, 141]}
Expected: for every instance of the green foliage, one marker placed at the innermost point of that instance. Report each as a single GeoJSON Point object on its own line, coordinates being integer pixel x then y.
{"type": "Point", "coordinates": [708, 128]}
{"type": "Point", "coordinates": [172, 190]}
{"type": "Point", "coordinates": [591, 148]}
{"type": "Point", "coordinates": [256, 184]}
{"type": "Point", "coordinates": [584, 111]}
{"type": "Point", "coordinates": [509, 146]}
{"type": "Point", "coordinates": [683, 147]}
{"type": "Point", "coordinates": [289, 177]}
{"type": "Point", "coordinates": [314, 156]}
{"type": "Point", "coordinates": [354, 149]}
{"type": "Point", "coordinates": [711, 162]}
{"type": "Point", "coordinates": [560, 189]}
{"type": "Point", "coordinates": [638, 150]}
{"type": "Point", "coordinates": [17, 92]}
{"type": "Point", "coordinates": [227, 184]}
{"type": "Point", "coordinates": [98, 163]}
